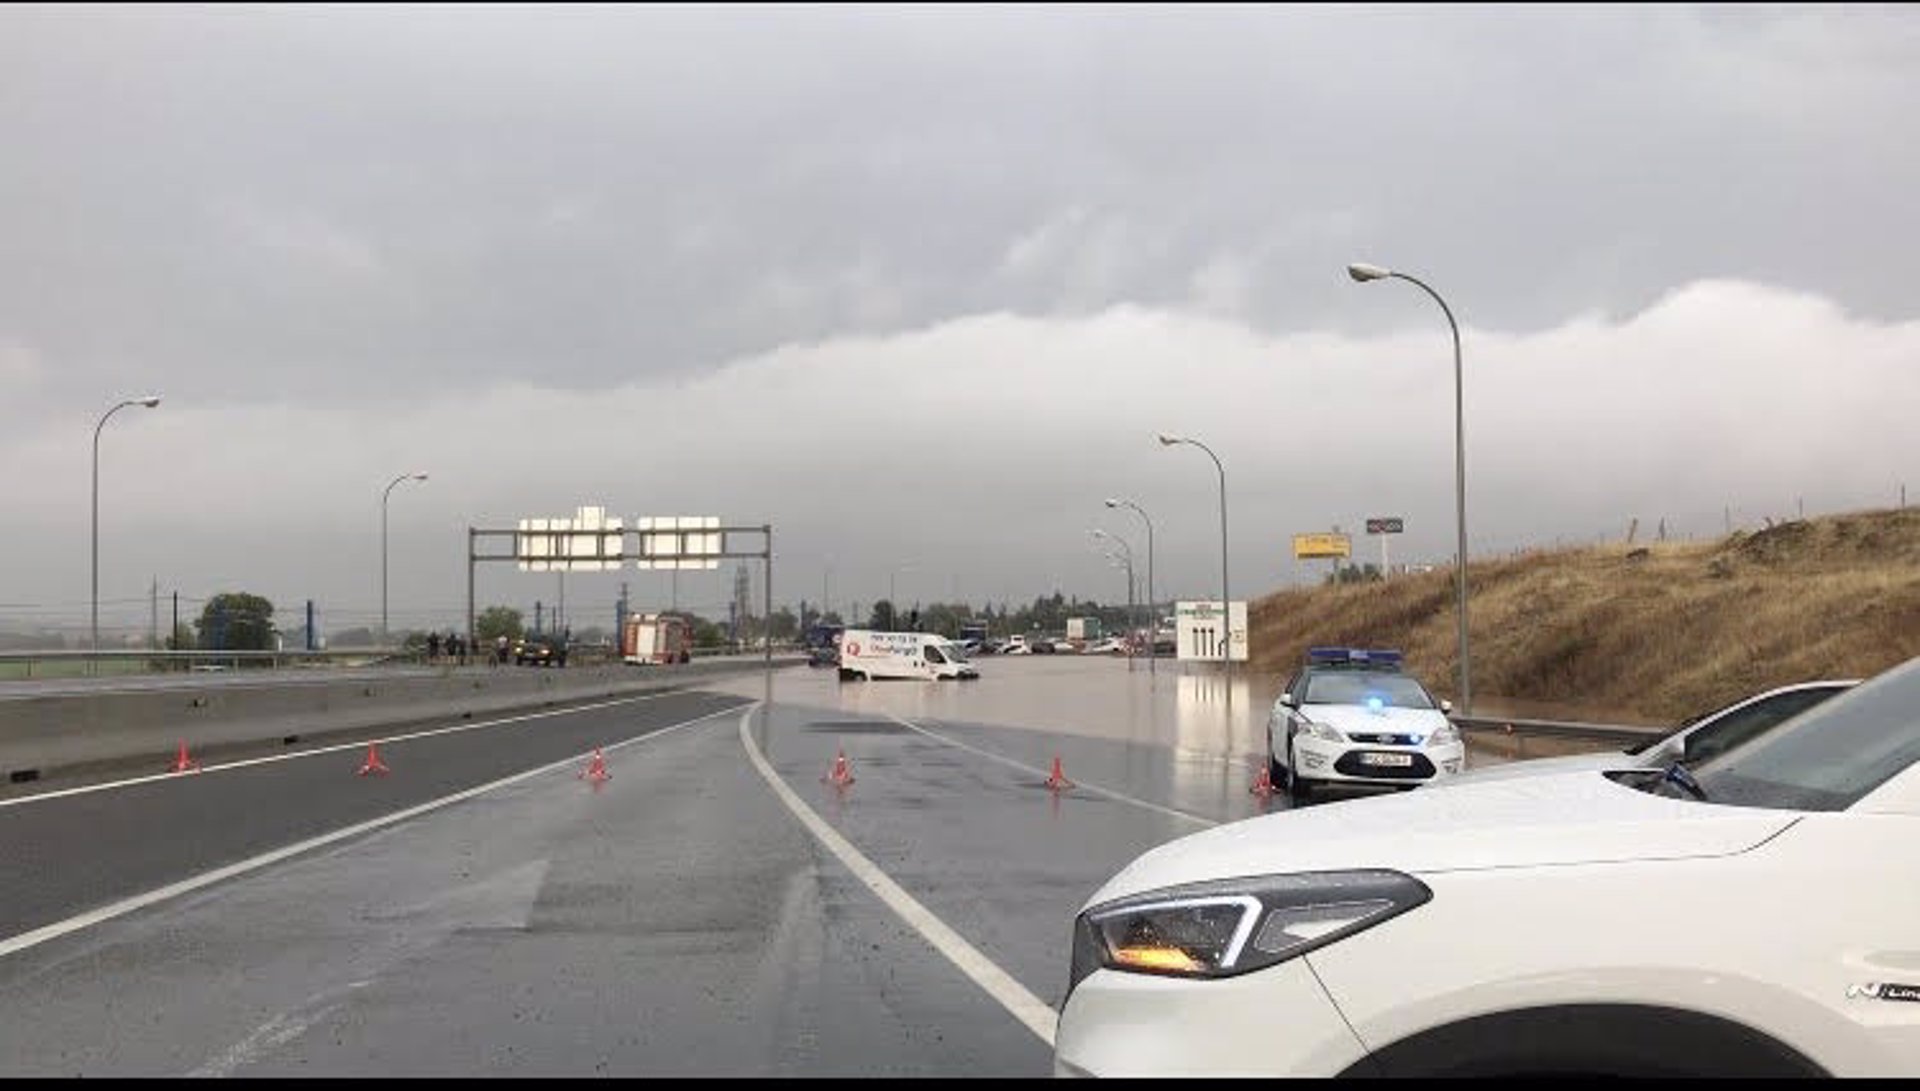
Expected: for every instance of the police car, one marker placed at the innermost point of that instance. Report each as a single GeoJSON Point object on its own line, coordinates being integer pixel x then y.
{"type": "Point", "coordinates": [1352, 716]}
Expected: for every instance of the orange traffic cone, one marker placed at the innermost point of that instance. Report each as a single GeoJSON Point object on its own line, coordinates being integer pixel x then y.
{"type": "Point", "coordinates": [596, 770]}
{"type": "Point", "coordinates": [181, 762]}
{"type": "Point", "coordinates": [1262, 783]}
{"type": "Point", "coordinates": [373, 763]}
{"type": "Point", "coordinates": [1057, 780]}
{"type": "Point", "coordinates": [841, 774]}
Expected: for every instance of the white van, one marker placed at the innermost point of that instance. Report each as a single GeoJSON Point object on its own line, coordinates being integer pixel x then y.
{"type": "Point", "coordinates": [866, 655]}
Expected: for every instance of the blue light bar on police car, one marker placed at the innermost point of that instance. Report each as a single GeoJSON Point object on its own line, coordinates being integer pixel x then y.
{"type": "Point", "coordinates": [1384, 657]}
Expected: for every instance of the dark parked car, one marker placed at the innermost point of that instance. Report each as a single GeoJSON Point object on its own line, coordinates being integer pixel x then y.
{"type": "Point", "coordinates": [541, 650]}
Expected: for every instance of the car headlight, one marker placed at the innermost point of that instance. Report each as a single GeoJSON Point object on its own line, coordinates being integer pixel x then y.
{"type": "Point", "coordinates": [1234, 926]}
{"type": "Point", "coordinates": [1321, 731]}
{"type": "Point", "coordinates": [1444, 736]}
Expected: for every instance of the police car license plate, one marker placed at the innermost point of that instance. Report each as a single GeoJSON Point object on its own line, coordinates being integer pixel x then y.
{"type": "Point", "coordinates": [1386, 759]}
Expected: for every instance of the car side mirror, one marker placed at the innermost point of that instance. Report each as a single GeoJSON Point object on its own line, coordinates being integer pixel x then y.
{"type": "Point", "coordinates": [1286, 699]}
{"type": "Point", "coordinates": [1446, 705]}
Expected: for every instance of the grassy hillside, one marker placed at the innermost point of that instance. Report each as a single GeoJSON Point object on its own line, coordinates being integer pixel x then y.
{"type": "Point", "coordinates": [1675, 630]}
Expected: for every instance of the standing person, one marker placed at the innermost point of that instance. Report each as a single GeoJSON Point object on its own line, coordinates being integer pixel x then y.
{"type": "Point", "coordinates": [433, 647]}
{"type": "Point", "coordinates": [500, 650]}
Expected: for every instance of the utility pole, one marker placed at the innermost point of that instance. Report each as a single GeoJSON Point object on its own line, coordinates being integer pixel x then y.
{"type": "Point", "coordinates": [153, 620]}
{"type": "Point", "coordinates": [620, 611]}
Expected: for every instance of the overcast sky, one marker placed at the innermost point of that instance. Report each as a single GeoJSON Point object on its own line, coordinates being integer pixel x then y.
{"type": "Point", "coordinates": [918, 286]}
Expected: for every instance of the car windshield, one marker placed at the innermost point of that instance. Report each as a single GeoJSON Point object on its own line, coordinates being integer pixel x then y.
{"type": "Point", "coordinates": [1714, 735]}
{"type": "Point", "coordinates": [954, 652]}
{"type": "Point", "coordinates": [1827, 758]}
{"type": "Point", "coordinates": [1363, 687]}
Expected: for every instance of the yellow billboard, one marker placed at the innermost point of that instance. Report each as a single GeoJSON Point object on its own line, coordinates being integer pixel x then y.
{"type": "Point", "coordinates": [1309, 546]}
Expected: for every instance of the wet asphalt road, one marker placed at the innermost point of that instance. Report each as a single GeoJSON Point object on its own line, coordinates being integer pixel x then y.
{"type": "Point", "coordinates": [677, 919]}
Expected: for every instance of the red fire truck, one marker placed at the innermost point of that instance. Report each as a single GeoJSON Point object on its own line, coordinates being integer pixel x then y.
{"type": "Point", "coordinates": [657, 638]}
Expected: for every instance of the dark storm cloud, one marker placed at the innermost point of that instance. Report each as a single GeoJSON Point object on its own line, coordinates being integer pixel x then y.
{"type": "Point", "coordinates": [338, 201]}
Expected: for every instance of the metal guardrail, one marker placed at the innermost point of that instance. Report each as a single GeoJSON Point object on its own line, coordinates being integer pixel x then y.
{"type": "Point", "coordinates": [1565, 729]}
{"type": "Point", "coordinates": [62, 663]}
{"type": "Point", "coordinates": [81, 663]}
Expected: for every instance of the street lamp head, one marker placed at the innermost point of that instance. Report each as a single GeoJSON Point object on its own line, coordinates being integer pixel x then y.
{"type": "Point", "coordinates": [1363, 272]}
{"type": "Point", "coordinates": [149, 401]}
{"type": "Point", "coordinates": [419, 477]}
{"type": "Point", "coordinates": [1112, 503]}
{"type": "Point", "coordinates": [1167, 440]}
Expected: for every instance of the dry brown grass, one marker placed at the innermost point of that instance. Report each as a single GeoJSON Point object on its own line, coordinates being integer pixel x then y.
{"type": "Point", "coordinates": [1589, 633]}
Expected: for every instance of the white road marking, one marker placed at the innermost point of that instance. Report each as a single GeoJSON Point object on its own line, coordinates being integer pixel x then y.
{"type": "Point", "coordinates": [297, 755]}
{"type": "Point", "coordinates": [1043, 773]}
{"type": "Point", "coordinates": [1029, 1009]}
{"type": "Point", "coordinates": [120, 908]}
{"type": "Point", "coordinates": [271, 1035]}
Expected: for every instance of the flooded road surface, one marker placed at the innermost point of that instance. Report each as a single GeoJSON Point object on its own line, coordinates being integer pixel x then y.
{"type": "Point", "coordinates": [1181, 708]}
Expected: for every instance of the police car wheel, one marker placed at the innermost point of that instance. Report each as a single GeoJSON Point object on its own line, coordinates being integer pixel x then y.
{"type": "Point", "coordinates": [1299, 789]}
{"type": "Point", "coordinates": [1277, 773]}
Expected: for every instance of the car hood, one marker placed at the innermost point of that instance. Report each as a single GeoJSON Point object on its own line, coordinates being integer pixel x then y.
{"type": "Point", "coordinates": [1569, 818]}
{"type": "Point", "coordinates": [1355, 718]}
{"type": "Point", "coordinates": [1598, 762]}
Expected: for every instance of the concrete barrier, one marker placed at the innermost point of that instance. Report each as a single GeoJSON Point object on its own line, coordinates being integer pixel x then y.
{"type": "Point", "coordinates": [44, 736]}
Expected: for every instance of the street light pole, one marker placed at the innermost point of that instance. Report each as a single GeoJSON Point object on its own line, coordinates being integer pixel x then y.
{"type": "Point", "coordinates": [149, 402]}
{"type": "Point", "coordinates": [1226, 603]}
{"type": "Point", "coordinates": [383, 548]}
{"type": "Point", "coordinates": [1128, 561]}
{"type": "Point", "coordinates": [1362, 272]}
{"type": "Point", "coordinates": [1153, 610]}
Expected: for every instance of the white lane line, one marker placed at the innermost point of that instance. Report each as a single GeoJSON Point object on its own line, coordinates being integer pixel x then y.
{"type": "Point", "coordinates": [173, 890]}
{"type": "Point", "coordinates": [316, 751]}
{"type": "Point", "coordinates": [1029, 1009]}
{"type": "Point", "coordinates": [1043, 773]}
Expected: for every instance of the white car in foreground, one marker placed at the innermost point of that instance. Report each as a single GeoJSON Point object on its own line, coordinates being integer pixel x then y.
{"type": "Point", "coordinates": [1758, 916]}
{"type": "Point", "coordinates": [1696, 741]}
{"type": "Point", "coordinates": [1351, 716]}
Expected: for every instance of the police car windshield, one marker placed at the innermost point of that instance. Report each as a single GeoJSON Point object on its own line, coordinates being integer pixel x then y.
{"type": "Point", "coordinates": [1362, 687]}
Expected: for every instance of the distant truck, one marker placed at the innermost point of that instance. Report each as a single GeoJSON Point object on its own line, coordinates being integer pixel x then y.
{"type": "Point", "coordinates": [656, 638]}
{"type": "Point", "coordinates": [823, 644]}
{"type": "Point", "coordinates": [1083, 628]}
{"type": "Point", "coordinates": [866, 655]}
